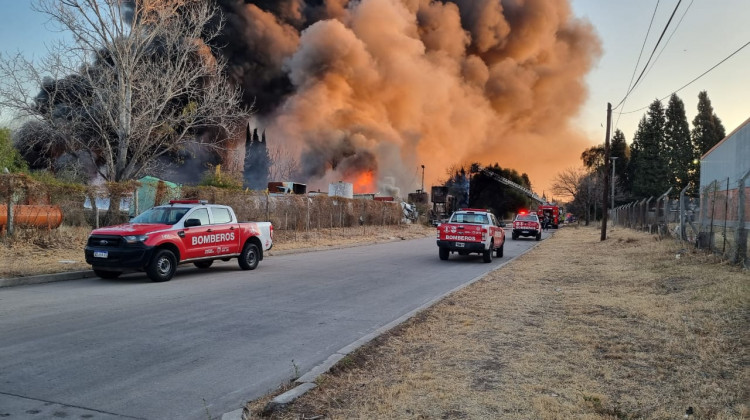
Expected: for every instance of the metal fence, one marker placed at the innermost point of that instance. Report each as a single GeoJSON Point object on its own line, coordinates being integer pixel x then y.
{"type": "Point", "coordinates": [25, 202]}
{"type": "Point", "coordinates": [717, 220]}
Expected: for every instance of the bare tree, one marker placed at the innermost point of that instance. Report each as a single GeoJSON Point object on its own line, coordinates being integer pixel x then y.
{"type": "Point", "coordinates": [284, 165]}
{"type": "Point", "coordinates": [138, 81]}
{"type": "Point", "coordinates": [581, 187]}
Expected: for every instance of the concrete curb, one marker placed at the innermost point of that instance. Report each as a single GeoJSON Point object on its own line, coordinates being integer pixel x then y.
{"type": "Point", "coordinates": [46, 278]}
{"type": "Point", "coordinates": [308, 381]}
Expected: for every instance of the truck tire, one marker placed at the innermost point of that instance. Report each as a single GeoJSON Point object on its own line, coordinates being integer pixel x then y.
{"type": "Point", "coordinates": [499, 251]}
{"type": "Point", "coordinates": [514, 236]}
{"type": "Point", "coordinates": [162, 266]}
{"type": "Point", "coordinates": [487, 255]}
{"type": "Point", "coordinates": [444, 253]}
{"type": "Point", "coordinates": [249, 257]}
{"type": "Point", "coordinates": [203, 264]}
{"type": "Point", "coordinates": [539, 236]}
{"type": "Point", "coordinates": [107, 274]}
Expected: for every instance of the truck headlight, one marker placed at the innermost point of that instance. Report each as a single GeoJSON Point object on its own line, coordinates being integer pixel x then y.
{"type": "Point", "coordinates": [134, 239]}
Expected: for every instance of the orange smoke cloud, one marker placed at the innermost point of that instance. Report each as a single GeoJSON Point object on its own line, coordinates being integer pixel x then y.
{"type": "Point", "coordinates": [381, 86]}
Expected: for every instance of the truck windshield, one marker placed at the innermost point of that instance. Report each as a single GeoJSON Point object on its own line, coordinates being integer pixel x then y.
{"type": "Point", "coordinates": [469, 218]}
{"type": "Point", "coordinates": [161, 215]}
{"type": "Point", "coordinates": [527, 218]}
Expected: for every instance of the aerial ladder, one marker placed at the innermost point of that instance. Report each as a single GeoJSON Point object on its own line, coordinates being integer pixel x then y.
{"type": "Point", "coordinates": [506, 181]}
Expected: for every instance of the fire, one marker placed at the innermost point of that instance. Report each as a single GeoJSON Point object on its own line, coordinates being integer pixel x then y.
{"type": "Point", "coordinates": [363, 183]}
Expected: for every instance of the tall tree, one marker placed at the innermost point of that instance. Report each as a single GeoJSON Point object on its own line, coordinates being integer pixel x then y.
{"type": "Point", "coordinates": [707, 131]}
{"type": "Point", "coordinates": [678, 146]}
{"type": "Point", "coordinates": [649, 168]}
{"type": "Point", "coordinates": [621, 151]}
{"type": "Point", "coordinates": [257, 161]}
{"type": "Point", "coordinates": [593, 158]}
{"type": "Point", "coordinates": [138, 82]}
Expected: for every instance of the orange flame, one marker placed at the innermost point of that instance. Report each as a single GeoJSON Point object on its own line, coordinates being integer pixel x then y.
{"type": "Point", "coordinates": [364, 183]}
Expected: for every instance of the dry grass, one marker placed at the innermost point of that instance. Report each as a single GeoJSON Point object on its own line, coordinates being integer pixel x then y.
{"type": "Point", "coordinates": [577, 328]}
{"type": "Point", "coordinates": [40, 251]}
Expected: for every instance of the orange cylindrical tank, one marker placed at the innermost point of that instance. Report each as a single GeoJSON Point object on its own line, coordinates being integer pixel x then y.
{"type": "Point", "coordinates": [32, 216]}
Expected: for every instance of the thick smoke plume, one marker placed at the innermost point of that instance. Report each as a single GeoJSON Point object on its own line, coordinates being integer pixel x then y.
{"type": "Point", "coordinates": [382, 86]}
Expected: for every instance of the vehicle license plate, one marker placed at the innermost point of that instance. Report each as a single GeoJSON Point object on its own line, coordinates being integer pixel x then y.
{"type": "Point", "coordinates": [459, 244]}
{"type": "Point", "coordinates": [101, 254]}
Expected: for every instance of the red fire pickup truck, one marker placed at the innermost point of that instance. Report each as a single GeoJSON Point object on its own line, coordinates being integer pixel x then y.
{"type": "Point", "coordinates": [160, 238]}
{"type": "Point", "coordinates": [527, 224]}
{"type": "Point", "coordinates": [471, 230]}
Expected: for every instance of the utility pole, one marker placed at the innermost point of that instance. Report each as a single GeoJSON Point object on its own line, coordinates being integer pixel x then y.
{"type": "Point", "coordinates": [422, 178]}
{"type": "Point", "coordinates": [606, 173]}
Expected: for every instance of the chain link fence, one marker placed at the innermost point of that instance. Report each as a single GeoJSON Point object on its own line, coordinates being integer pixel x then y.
{"type": "Point", "coordinates": [30, 203]}
{"type": "Point", "coordinates": [718, 220]}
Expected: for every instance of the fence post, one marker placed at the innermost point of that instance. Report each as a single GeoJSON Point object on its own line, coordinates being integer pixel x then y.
{"type": "Point", "coordinates": [645, 214]}
{"type": "Point", "coordinates": [663, 199]}
{"type": "Point", "coordinates": [682, 213]}
{"type": "Point", "coordinates": [740, 234]}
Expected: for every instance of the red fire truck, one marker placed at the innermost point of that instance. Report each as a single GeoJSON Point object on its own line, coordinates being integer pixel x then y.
{"type": "Point", "coordinates": [551, 212]}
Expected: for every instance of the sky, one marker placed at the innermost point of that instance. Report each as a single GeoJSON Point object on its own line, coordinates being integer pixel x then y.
{"type": "Point", "coordinates": [708, 32]}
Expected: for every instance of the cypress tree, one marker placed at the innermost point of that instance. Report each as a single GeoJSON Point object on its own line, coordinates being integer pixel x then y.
{"type": "Point", "coordinates": [621, 151]}
{"type": "Point", "coordinates": [678, 145]}
{"type": "Point", "coordinates": [707, 131]}
{"type": "Point", "coordinates": [650, 174]}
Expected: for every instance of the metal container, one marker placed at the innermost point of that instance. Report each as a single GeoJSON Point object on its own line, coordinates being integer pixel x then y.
{"type": "Point", "coordinates": [40, 216]}
{"type": "Point", "coordinates": [341, 189]}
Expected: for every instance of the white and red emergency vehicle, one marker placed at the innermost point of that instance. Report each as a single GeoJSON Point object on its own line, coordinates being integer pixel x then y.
{"type": "Point", "coordinates": [184, 231]}
{"type": "Point", "coordinates": [471, 231]}
{"type": "Point", "coordinates": [527, 224]}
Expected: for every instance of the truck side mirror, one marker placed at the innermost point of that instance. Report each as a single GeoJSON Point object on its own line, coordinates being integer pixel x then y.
{"type": "Point", "coordinates": [192, 222]}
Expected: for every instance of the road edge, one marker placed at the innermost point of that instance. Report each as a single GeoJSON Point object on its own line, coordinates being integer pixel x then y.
{"type": "Point", "coordinates": [307, 381]}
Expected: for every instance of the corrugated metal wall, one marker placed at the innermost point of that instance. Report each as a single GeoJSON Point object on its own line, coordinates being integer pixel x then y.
{"type": "Point", "coordinates": [731, 158]}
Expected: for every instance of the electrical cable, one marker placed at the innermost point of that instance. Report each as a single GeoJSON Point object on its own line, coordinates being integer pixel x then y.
{"type": "Point", "coordinates": [694, 80]}
{"type": "Point", "coordinates": [652, 54]}
{"type": "Point", "coordinates": [635, 68]}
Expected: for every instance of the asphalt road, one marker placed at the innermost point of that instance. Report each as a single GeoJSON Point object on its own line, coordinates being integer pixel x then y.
{"type": "Point", "coordinates": [209, 340]}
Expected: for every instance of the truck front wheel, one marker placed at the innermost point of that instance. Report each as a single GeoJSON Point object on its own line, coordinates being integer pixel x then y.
{"type": "Point", "coordinates": [162, 266]}
{"type": "Point", "coordinates": [249, 257]}
{"type": "Point", "coordinates": [444, 253]}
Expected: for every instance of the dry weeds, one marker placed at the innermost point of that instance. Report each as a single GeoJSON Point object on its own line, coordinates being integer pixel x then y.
{"type": "Point", "coordinates": [40, 251]}
{"type": "Point", "coordinates": [628, 328]}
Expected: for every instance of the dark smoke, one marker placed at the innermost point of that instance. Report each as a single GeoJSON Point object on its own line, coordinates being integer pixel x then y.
{"type": "Point", "coordinates": [384, 85]}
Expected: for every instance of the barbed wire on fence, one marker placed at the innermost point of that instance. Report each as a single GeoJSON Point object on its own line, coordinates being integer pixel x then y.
{"type": "Point", "coordinates": [716, 220]}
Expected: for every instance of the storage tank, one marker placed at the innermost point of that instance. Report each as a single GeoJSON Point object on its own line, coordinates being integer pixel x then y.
{"type": "Point", "coordinates": [41, 216]}
{"type": "Point", "coordinates": [341, 189]}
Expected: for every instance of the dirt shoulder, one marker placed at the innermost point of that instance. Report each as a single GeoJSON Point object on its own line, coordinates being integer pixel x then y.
{"type": "Point", "coordinates": [35, 252]}
{"type": "Point", "coordinates": [631, 327]}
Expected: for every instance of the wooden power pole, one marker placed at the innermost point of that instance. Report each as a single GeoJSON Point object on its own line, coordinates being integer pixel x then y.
{"type": "Point", "coordinates": [606, 173]}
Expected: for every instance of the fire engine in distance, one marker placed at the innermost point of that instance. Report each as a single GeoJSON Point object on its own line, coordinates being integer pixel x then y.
{"type": "Point", "coordinates": [471, 231]}
{"type": "Point", "coordinates": [185, 231]}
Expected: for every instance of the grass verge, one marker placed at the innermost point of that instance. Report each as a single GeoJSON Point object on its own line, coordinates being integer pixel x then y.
{"type": "Point", "coordinates": [628, 328]}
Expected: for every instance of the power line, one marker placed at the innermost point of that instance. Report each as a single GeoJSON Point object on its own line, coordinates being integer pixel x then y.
{"type": "Point", "coordinates": [630, 83]}
{"type": "Point", "coordinates": [694, 80]}
{"type": "Point", "coordinates": [652, 54]}
{"type": "Point", "coordinates": [670, 38]}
